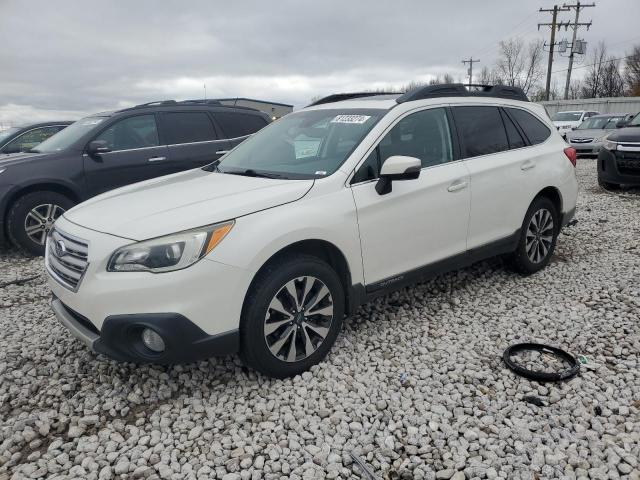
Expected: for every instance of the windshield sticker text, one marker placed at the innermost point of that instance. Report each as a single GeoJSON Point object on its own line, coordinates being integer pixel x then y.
{"type": "Point", "coordinates": [357, 119]}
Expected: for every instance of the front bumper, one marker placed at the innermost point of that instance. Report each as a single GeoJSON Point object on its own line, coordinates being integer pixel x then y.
{"type": "Point", "coordinates": [619, 167]}
{"type": "Point", "coordinates": [120, 337]}
{"type": "Point", "coordinates": [591, 148]}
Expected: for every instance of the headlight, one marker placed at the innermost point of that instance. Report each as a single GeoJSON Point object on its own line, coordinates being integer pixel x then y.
{"type": "Point", "coordinates": [609, 144]}
{"type": "Point", "coordinates": [173, 252]}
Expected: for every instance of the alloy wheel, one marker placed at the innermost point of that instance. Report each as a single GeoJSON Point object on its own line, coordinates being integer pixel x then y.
{"type": "Point", "coordinates": [539, 237]}
{"type": "Point", "coordinates": [39, 221]}
{"type": "Point", "coordinates": [298, 319]}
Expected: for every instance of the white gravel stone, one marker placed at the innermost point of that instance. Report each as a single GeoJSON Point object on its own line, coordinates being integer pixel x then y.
{"type": "Point", "coordinates": [415, 384]}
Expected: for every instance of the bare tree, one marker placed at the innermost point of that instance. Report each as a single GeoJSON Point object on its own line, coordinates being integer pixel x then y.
{"type": "Point", "coordinates": [632, 72]}
{"type": "Point", "coordinates": [592, 84]}
{"type": "Point", "coordinates": [520, 65]}
{"type": "Point", "coordinates": [612, 81]}
{"type": "Point", "coordinates": [575, 90]}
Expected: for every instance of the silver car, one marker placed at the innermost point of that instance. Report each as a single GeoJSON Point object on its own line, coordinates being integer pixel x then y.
{"type": "Point", "coordinates": [588, 137]}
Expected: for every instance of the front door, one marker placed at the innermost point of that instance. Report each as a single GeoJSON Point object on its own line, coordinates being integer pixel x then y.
{"type": "Point", "coordinates": [135, 155]}
{"type": "Point", "coordinates": [422, 221]}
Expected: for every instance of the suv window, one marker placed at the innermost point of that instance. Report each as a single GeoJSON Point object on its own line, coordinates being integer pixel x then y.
{"type": "Point", "coordinates": [513, 135]}
{"type": "Point", "coordinates": [481, 130]}
{"type": "Point", "coordinates": [534, 129]}
{"type": "Point", "coordinates": [31, 138]}
{"type": "Point", "coordinates": [188, 127]}
{"type": "Point", "coordinates": [239, 124]}
{"type": "Point", "coordinates": [133, 132]}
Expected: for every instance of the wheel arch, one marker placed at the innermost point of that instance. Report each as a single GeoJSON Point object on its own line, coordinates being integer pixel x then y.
{"type": "Point", "coordinates": [325, 251]}
{"type": "Point", "coordinates": [553, 194]}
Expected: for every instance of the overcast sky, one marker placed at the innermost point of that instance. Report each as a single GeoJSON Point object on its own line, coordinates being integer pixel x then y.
{"type": "Point", "coordinates": [64, 59]}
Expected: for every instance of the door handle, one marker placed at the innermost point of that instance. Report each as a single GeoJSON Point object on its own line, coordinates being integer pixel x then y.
{"type": "Point", "coordinates": [222, 152]}
{"type": "Point", "coordinates": [528, 165]}
{"type": "Point", "coordinates": [459, 185]}
{"type": "Point", "coordinates": [157, 159]}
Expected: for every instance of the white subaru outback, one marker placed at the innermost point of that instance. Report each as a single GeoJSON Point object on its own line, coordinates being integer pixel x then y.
{"type": "Point", "coordinates": [265, 252]}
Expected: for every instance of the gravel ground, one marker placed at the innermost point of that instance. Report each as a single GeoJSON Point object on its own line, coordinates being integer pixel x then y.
{"type": "Point", "coordinates": [415, 385]}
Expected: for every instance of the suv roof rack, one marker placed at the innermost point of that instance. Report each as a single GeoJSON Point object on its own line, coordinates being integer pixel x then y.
{"type": "Point", "coordinates": [338, 97]}
{"type": "Point", "coordinates": [174, 103]}
{"type": "Point", "coordinates": [461, 90]}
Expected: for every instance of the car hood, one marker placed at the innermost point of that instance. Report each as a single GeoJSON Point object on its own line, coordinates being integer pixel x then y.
{"type": "Point", "coordinates": [626, 134]}
{"type": "Point", "coordinates": [182, 201]}
{"type": "Point", "coordinates": [7, 159]}
{"type": "Point", "coordinates": [588, 133]}
{"type": "Point", "coordinates": [566, 124]}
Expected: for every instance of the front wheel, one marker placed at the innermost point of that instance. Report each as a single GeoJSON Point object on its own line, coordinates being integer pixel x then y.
{"type": "Point", "coordinates": [538, 237]}
{"type": "Point", "coordinates": [32, 216]}
{"type": "Point", "coordinates": [292, 316]}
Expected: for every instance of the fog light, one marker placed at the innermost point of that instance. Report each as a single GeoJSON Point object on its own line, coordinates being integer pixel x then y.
{"type": "Point", "coordinates": [152, 340]}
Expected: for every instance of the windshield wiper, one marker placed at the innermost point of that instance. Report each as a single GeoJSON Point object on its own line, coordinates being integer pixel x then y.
{"type": "Point", "coordinates": [250, 172]}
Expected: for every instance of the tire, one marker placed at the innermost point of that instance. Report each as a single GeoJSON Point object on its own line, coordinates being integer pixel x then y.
{"type": "Point", "coordinates": [609, 187]}
{"type": "Point", "coordinates": [271, 319]}
{"type": "Point", "coordinates": [38, 210]}
{"type": "Point", "coordinates": [535, 246]}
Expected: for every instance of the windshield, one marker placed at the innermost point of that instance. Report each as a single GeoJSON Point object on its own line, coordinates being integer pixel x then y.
{"type": "Point", "coordinates": [635, 122]}
{"type": "Point", "coordinates": [599, 122]}
{"type": "Point", "coordinates": [67, 137]}
{"type": "Point", "coordinates": [8, 132]}
{"type": "Point", "coordinates": [307, 144]}
{"type": "Point", "coordinates": [567, 117]}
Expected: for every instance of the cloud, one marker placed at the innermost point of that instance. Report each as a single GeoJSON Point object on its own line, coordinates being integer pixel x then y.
{"type": "Point", "coordinates": [75, 57]}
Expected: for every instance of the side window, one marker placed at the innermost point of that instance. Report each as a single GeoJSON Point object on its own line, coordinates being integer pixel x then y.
{"type": "Point", "coordinates": [133, 132]}
{"type": "Point", "coordinates": [534, 129]}
{"type": "Point", "coordinates": [188, 127]}
{"type": "Point", "coordinates": [369, 170]}
{"type": "Point", "coordinates": [239, 124]}
{"type": "Point", "coordinates": [513, 135]}
{"type": "Point", "coordinates": [481, 130]}
{"type": "Point", "coordinates": [30, 139]}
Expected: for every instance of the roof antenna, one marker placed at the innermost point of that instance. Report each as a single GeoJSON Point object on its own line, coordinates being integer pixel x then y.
{"type": "Point", "coordinates": [205, 91]}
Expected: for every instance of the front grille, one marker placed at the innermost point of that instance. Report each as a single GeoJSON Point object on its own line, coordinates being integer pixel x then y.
{"type": "Point", "coordinates": [628, 162]}
{"type": "Point", "coordinates": [581, 140]}
{"type": "Point", "coordinates": [66, 258]}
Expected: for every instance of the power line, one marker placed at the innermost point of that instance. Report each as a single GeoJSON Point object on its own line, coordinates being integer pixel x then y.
{"type": "Point", "coordinates": [471, 61]}
{"type": "Point", "coordinates": [576, 24]}
{"type": "Point", "coordinates": [553, 25]}
{"type": "Point", "coordinates": [509, 32]}
{"type": "Point", "coordinates": [592, 64]}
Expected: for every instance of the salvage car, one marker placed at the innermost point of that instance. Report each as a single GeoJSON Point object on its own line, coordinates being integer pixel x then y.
{"type": "Point", "coordinates": [26, 137]}
{"type": "Point", "coordinates": [266, 251]}
{"type": "Point", "coordinates": [587, 139]}
{"type": "Point", "coordinates": [570, 120]}
{"type": "Point", "coordinates": [619, 158]}
{"type": "Point", "coordinates": [108, 150]}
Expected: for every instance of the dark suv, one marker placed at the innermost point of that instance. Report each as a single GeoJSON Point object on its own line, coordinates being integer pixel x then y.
{"type": "Point", "coordinates": [109, 150]}
{"type": "Point", "coordinates": [619, 157]}
{"type": "Point", "coordinates": [21, 139]}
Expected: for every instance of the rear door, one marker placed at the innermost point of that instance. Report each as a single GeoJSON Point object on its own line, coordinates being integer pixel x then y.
{"type": "Point", "coordinates": [499, 164]}
{"type": "Point", "coordinates": [237, 126]}
{"type": "Point", "coordinates": [192, 139]}
{"type": "Point", "coordinates": [136, 154]}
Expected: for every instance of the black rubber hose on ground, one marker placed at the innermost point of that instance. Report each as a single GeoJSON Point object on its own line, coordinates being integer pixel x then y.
{"type": "Point", "coordinates": [574, 365]}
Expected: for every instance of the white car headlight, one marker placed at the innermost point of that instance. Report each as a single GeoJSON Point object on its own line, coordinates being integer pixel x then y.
{"type": "Point", "coordinates": [169, 253]}
{"type": "Point", "coordinates": [609, 144]}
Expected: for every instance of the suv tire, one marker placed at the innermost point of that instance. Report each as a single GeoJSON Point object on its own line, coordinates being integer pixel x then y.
{"type": "Point", "coordinates": [609, 187]}
{"type": "Point", "coordinates": [538, 237]}
{"type": "Point", "coordinates": [32, 216]}
{"type": "Point", "coordinates": [282, 336]}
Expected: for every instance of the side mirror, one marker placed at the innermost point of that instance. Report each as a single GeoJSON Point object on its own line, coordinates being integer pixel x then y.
{"type": "Point", "coordinates": [621, 123]}
{"type": "Point", "coordinates": [397, 167]}
{"type": "Point", "coordinates": [97, 147]}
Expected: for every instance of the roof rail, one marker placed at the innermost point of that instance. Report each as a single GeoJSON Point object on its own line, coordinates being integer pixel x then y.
{"type": "Point", "coordinates": [204, 101]}
{"type": "Point", "coordinates": [460, 90]}
{"type": "Point", "coordinates": [174, 103]}
{"type": "Point", "coordinates": [338, 97]}
{"type": "Point", "coordinates": [157, 102]}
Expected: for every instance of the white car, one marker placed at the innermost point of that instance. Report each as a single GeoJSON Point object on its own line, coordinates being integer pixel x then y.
{"type": "Point", "coordinates": [567, 121]}
{"type": "Point", "coordinates": [266, 252]}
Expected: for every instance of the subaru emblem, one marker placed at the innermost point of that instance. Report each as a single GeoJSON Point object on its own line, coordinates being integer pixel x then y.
{"type": "Point", "coordinates": [61, 248]}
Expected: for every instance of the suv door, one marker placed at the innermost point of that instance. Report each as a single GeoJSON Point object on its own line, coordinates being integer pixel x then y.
{"type": "Point", "coordinates": [420, 221]}
{"type": "Point", "coordinates": [136, 154]}
{"type": "Point", "coordinates": [499, 164]}
{"type": "Point", "coordinates": [237, 126]}
{"type": "Point", "coordinates": [191, 138]}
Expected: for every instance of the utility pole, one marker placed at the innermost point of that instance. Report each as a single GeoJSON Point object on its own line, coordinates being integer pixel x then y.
{"type": "Point", "coordinates": [577, 6]}
{"type": "Point", "coordinates": [552, 43]}
{"type": "Point", "coordinates": [471, 61]}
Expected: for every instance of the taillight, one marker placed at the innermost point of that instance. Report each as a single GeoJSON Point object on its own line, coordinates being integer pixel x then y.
{"type": "Point", "coordinates": [571, 154]}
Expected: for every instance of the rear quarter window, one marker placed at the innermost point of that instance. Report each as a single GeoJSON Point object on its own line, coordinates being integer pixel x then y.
{"type": "Point", "coordinates": [534, 129]}
{"type": "Point", "coordinates": [235, 124]}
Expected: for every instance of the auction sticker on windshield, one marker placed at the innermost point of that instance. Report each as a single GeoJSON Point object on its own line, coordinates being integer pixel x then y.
{"type": "Point", "coordinates": [350, 119]}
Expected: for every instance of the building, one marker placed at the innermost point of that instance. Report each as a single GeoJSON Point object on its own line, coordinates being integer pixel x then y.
{"type": "Point", "coordinates": [274, 109]}
{"type": "Point", "coordinates": [600, 105]}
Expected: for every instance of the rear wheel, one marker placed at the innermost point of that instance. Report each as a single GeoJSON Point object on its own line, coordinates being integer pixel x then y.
{"type": "Point", "coordinates": [292, 316]}
{"type": "Point", "coordinates": [32, 216]}
{"type": "Point", "coordinates": [608, 186]}
{"type": "Point", "coordinates": [538, 237]}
